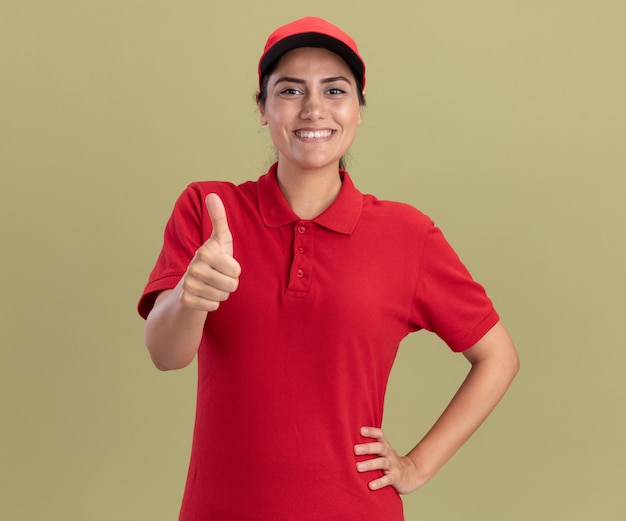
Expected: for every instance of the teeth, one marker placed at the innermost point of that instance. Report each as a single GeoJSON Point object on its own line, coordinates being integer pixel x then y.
{"type": "Point", "coordinates": [311, 135]}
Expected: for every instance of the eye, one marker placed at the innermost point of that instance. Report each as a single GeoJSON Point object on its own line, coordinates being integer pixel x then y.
{"type": "Point", "coordinates": [290, 91]}
{"type": "Point", "coordinates": [335, 91]}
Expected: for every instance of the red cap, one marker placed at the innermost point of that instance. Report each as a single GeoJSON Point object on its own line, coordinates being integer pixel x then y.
{"type": "Point", "coordinates": [311, 32]}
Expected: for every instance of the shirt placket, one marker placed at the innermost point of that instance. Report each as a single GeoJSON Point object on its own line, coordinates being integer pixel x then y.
{"type": "Point", "coordinates": [301, 268]}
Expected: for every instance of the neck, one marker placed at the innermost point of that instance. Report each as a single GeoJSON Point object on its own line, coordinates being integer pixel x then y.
{"type": "Point", "coordinates": [309, 193]}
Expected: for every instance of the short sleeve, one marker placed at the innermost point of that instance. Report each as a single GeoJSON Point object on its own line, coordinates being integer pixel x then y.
{"type": "Point", "coordinates": [448, 301]}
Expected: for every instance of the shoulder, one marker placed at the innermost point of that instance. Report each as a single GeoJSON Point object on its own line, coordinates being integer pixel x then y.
{"type": "Point", "coordinates": [203, 188]}
{"type": "Point", "coordinates": [395, 212]}
{"type": "Point", "coordinates": [194, 195]}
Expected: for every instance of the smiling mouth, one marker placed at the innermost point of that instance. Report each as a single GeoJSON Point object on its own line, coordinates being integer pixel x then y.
{"type": "Point", "coordinates": [313, 134]}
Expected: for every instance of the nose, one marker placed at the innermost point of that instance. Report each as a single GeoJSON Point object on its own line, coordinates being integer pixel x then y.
{"type": "Point", "coordinates": [313, 107]}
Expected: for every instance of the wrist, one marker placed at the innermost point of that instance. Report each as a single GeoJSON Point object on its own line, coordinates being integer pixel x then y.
{"type": "Point", "coordinates": [423, 468]}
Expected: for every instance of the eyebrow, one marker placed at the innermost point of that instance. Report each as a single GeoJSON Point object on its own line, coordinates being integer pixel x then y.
{"type": "Point", "coordinates": [291, 79]}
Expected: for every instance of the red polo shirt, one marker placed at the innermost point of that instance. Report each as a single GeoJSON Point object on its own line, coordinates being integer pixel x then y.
{"type": "Point", "coordinates": [297, 359]}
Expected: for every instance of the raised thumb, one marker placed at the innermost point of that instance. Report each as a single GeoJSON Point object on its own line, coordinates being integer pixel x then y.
{"type": "Point", "coordinates": [217, 214]}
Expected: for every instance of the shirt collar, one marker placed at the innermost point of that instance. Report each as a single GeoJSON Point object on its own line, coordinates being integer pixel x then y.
{"type": "Point", "coordinates": [341, 216]}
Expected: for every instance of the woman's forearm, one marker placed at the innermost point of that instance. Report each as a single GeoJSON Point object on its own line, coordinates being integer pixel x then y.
{"type": "Point", "coordinates": [494, 365]}
{"type": "Point", "coordinates": [173, 331]}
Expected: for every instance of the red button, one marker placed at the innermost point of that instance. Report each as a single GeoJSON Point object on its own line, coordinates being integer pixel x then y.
{"type": "Point", "coordinates": [300, 273]}
{"type": "Point", "coordinates": [301, 229]}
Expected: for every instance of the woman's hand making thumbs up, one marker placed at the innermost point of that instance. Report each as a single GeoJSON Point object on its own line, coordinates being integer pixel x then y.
{"type": "Point", "coordinates": [174, 326]}
{"type": "Point", "coordinates": [213, 273]}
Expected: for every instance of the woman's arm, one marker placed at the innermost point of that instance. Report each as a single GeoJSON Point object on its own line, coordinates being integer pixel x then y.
{"type": "Point", "coordinates": [494, 363]}
{"type": "Point", "coordinates": [173, 331]}
{"type": "Point", "coordinates": [175, 323]}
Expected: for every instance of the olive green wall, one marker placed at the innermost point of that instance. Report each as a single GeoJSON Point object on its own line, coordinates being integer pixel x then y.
{"type": "Point", "coordinates": [503, 120]}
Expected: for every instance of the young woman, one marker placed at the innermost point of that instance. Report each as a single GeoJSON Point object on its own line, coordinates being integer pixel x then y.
{"type": "Point", "coordinates": [295, 306]}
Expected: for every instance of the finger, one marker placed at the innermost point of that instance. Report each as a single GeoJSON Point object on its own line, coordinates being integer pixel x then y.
{"type": "Point", "coordinates": [370, 448]}
{"type": "Point", "coordinates": [385, 481]}
{"type": "Point", "coordinates": [211, 258]}
{"type": "Point", "coordinates": [217, 214]}
{"type": "Point", "coordinates": [381, 464]}
{"type": "Point", "coordinates": [212, 286]}
{"type": "Point", "coordinates": [199, 303]}
{"type": "Point", "coordinates": [373, 432]}
{"type": "Point", "coordinates": [373, 464]}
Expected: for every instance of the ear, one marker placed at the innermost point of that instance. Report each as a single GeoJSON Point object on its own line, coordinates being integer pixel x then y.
{"type": "Point", "coordinates": [361, 110]}
{"type": "Point", "coordinates": [261, 107]}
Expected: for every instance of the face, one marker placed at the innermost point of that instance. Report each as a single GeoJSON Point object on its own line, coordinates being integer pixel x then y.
{"type": "Point", "coordinates": [312, 109]}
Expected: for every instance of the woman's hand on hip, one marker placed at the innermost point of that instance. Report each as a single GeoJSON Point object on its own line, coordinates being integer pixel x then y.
{"type": "Point", "coordinates": [400, 472]}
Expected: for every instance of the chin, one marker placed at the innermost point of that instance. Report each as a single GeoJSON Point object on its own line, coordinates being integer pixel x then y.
{"type": "Point", "coordinates": [316, 163]}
